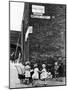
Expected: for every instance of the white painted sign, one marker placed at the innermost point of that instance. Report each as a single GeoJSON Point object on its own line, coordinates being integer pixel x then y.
{"type": "Point", "coordinates": [37, 9]}
{"type": "Point", "coordinates": [41, 17]}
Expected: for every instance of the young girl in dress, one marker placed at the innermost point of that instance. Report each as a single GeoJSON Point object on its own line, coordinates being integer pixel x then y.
{"type": "Point", "coordinates": [35, 75]}
{"type": "Point", "coordinates": [44, 73]}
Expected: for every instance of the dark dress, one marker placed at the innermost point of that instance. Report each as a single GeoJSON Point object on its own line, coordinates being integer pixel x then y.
{"type": "Point", "coordinates": [61, 70]}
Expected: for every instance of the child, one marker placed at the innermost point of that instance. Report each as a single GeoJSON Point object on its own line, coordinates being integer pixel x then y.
{"type": "Point", "coordinates": [49, 75]}
{"type": "Point", "coordinates": [44, 74]}
{"type": "Point", "coordinates": [20, 68]}
{"type": "Point", "coordinates": [35, 75]}
{"type": "Point", "coordinates": [56, 70]}
{"type": "Point", "coordinates": [27, 73]}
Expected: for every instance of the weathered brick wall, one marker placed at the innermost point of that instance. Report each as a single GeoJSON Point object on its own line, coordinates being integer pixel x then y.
{"type": "Point", "coordinates": [49, 35]}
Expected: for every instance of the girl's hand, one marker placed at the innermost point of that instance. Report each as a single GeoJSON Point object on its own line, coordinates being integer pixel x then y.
{"type": "Point", "coordinates": [40, 71]}
{"type": "Point", "coordinates": [31, 70]}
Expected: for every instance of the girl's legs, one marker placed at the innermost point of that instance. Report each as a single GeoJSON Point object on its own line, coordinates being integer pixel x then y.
{"type": "Point", "coordinates": [33, 82]}
{"type": "Point", "coordinates": [28, 81]}
{"type": "Point", "coordinates": [21, 81]}
{"type": "Point", "coordinates": [45, 82]}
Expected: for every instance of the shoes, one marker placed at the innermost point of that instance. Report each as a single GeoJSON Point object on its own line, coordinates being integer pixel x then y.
{"type": "Point", "coordinates": [45, 85]}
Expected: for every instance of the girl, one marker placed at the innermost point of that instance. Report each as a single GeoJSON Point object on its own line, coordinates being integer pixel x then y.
{"type": "Point", "coordinates": [44, 74]}
{"type": "Point", "coordinates": [35, 75]}
{"type": "Point", "coordinates": [49, 75]}
{"type": "Point", "coordinates": [56, 70]}
{"type": "Point", "coordinates": [27, 72]}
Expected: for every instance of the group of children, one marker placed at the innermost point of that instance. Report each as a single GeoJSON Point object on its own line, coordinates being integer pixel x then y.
{"type": "Point", "coordinates": [33, 74]}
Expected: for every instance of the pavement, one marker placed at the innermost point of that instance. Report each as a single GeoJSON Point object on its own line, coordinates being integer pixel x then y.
{"type": "Point", "coordinates": [15, 82]}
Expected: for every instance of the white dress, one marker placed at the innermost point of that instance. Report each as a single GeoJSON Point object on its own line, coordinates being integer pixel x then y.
{"type": "Point", "coordinates": [44, 74]}
{"type": "Point", "coordinates": [27, 71]}
{"type": "Point", "coordinates": [35, 75]}
{"type": "Point", "coordinates": [20, 68]}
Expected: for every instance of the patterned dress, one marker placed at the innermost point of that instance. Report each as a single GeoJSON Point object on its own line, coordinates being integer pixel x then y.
{"type": "Point", "coordinates": [44, 74]}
